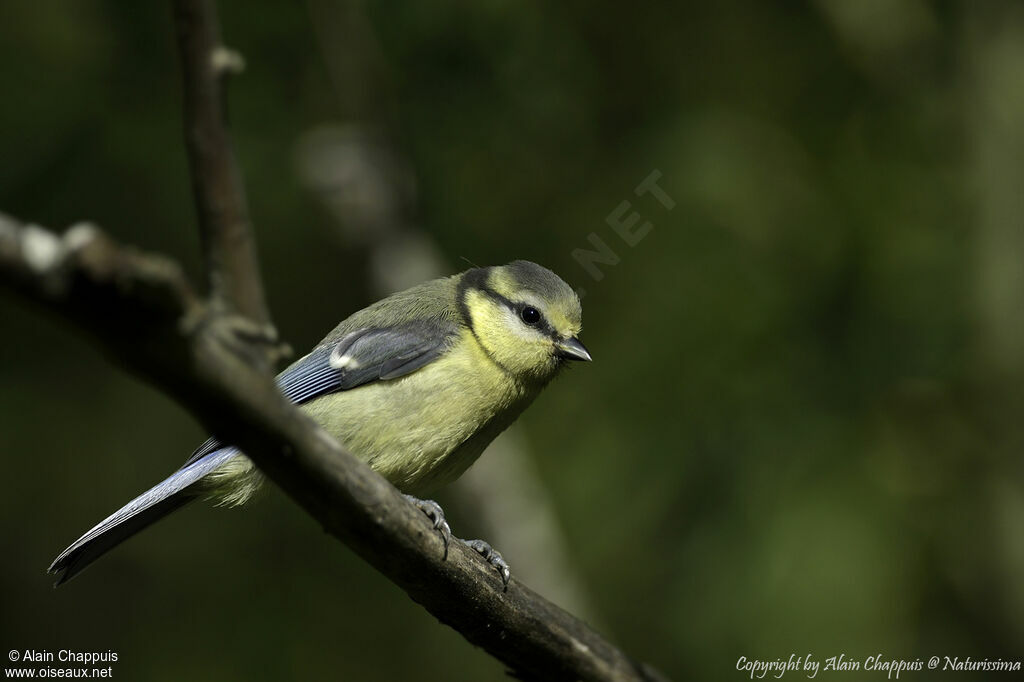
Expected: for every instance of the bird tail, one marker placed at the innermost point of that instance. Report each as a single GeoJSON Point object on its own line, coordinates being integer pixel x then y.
{"type": "Point", "coordinates": [148, 508]}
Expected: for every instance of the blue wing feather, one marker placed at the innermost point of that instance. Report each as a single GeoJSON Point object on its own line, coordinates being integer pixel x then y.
{"type": "Point", "coordinates": [373, 354]}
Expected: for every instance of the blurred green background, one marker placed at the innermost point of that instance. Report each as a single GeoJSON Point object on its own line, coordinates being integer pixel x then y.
{"type": "Point", "coordinates": [801, 432]}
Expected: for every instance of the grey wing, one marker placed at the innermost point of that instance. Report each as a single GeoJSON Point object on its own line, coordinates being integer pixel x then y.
{"type": "Point", "coordinates": [360, 357]}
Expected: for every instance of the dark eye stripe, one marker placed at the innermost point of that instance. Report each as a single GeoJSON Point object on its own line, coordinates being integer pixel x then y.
{"type": "Point", "coordinates": [476, 280]}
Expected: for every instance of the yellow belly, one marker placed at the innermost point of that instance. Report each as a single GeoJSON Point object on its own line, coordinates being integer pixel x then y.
{"type": "Point", "coordinates": [423, 430]}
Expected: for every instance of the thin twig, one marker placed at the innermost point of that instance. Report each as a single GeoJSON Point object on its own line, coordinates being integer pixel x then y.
{"type": "Point", "coordinates": [228, 245]}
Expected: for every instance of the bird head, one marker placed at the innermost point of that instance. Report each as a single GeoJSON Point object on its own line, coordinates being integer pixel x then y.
{"type": "Point", "coordinates": [525, 318]}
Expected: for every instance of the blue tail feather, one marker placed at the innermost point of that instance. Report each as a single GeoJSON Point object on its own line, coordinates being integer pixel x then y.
{"type": "Point", "coordinates": [171, 494]}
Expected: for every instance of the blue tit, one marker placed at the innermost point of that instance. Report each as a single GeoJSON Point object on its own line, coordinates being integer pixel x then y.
{"type": "Point", "coordinates": [415, 385]}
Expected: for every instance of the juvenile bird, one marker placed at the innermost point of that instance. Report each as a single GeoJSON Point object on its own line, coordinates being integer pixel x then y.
{"type": "Point", "coordinates": [416, 385]}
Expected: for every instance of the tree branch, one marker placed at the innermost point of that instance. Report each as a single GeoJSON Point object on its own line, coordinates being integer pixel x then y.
{"type": "Point", "coordinates": [228, 246]}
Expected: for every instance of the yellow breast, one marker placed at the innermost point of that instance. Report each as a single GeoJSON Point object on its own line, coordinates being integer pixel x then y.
{"type": "Point", "coordinates": [423, 430]}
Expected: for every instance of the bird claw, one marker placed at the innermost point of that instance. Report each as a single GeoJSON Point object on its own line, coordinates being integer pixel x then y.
{"type": "Point", "coordinates": [436, 514]}
{"type": "Point", "coordinates": [494, 558]}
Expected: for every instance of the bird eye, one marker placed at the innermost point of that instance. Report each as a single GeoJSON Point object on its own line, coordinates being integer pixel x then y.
{"type": "Point", "coordinates": [530, 315]}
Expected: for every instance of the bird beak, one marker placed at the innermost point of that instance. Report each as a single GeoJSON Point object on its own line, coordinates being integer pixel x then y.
{"type": "Point", "coordinates": [572, 349]}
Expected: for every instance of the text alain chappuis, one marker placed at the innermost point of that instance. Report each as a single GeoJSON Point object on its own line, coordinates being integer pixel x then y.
{"type": "Point", "coordinates": [65, 663]}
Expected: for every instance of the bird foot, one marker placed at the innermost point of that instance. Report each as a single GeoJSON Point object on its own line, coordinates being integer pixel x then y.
{"type": "Point", "coordinates": [493, 557]}
{"type": "Point", "coordinates": [436, 514]}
